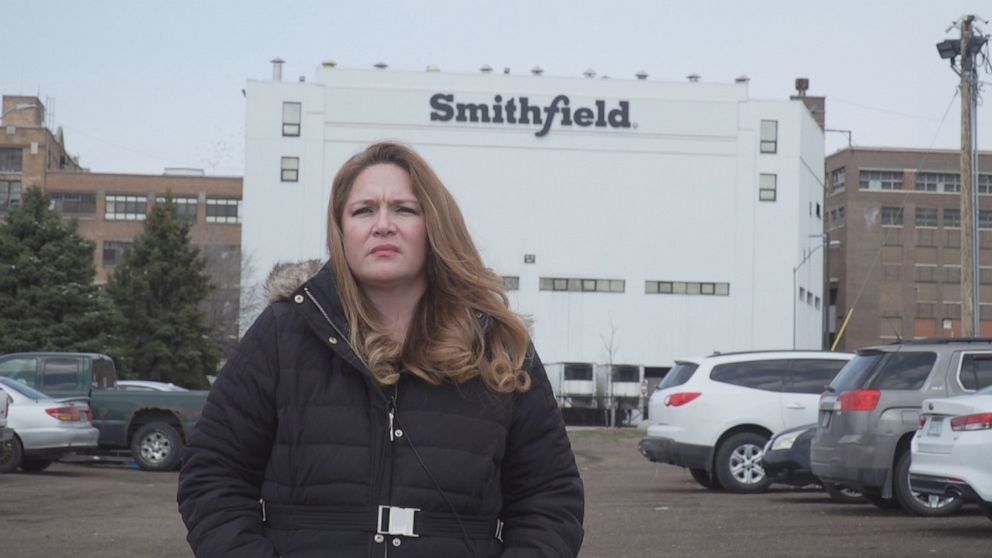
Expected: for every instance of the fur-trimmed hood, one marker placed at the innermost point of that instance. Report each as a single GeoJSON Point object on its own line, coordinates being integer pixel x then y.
{"type": "Point", "coordinates": [286, 277]}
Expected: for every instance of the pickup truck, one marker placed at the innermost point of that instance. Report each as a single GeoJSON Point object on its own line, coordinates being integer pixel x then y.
{"type": "Point", "coordinates": [154, 425]}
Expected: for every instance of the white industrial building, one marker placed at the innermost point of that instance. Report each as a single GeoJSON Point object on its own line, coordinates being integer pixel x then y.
{"type": "Point", "coordinates": [673, 218]}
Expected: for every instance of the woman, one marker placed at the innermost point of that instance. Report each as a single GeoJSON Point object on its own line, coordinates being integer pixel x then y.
{"type": "Point", "coordinates": [387, 403]}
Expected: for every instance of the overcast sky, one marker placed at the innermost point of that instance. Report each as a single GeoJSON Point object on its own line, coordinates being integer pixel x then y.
{"type": "Point", "coordinates": [138, 86]}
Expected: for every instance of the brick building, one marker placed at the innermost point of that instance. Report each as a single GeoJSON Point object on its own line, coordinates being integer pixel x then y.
{"type": "Point", "coordinates": [897, 215]}
{"type": "Point", "coordinates": [111, 208]}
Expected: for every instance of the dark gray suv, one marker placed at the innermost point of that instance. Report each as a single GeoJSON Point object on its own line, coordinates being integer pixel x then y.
{"type": "Point", "coordinates": [871, 410]}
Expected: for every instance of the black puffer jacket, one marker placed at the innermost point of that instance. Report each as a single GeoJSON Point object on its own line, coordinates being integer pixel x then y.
{"type": "Point", "coordinates": [296, 420]}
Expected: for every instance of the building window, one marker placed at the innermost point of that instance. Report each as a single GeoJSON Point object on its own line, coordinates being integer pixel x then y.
{"type": "Point", "coordinates": [686, 287]}
{"type": "Point", "coordinates": [113, 253]}
{"type": "Point", "coordinates": [290, 169]}
{"type": "Point", "coordinates": [125, 208]}
{"type": "Point", "coordinates": [837, 218]}
{"type": "Point", "coordinates": [769, 136]}
{"type": "Point", "coordinates": [291, 113]}
{"type": "Point", "coordinates": [802, 294]}
{"type": "Point", "coordinates": [767, 187]}
{"type": "Point", "coordinates": [881, 180]}
{"type": "Point", "coordinates": [10, 195]}
{"type": "Point", "coordinates": [11, 159]}
{"type": "Point", "coordinates": [892, 216]}
{"type": "Point", "coordinates": [926, 217]}
{"type": "Point", "coordinates": [838, 179]}
{"type": "Point", "coordinates": [223, 210]}
{"type": "Point", "coordinates": [74, 204]}
{"type": "Point", "coordinates": [984, 184]}
{"type": "Point", "coordinates": [952, 218]}
{"type": "Point", "coordinates": [185, 208]}
{"type": "Point", "coordinates": [938, 182]}
{"type": "Point", "coordinates": [511, 283]}
{"type": "Point", "coordinates": [984, 219]}
{"type": "Point", "coordinates": [582, 285]}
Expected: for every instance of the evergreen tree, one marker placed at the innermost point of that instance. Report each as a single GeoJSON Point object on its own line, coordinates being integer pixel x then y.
{"type": "Point", "coordinates": [47, 298]}
{"type": "Point", "coordinates": [157, 290]}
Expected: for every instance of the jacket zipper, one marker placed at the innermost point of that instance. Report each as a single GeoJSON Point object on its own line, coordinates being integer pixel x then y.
{"type": "Point", "coordinates": [384, 490]}
{"type": "Point", "coordinates": [379, 457]}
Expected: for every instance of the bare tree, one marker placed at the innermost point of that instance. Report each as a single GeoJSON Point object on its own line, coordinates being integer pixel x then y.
{"type": "Point", "coordinates": [611, 348]}
{"type": "Point", "coordinates": [252, 293]}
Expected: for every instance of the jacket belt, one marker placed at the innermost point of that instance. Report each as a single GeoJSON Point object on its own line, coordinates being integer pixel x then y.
{"type": "Point", "coordinates": [386, 520]}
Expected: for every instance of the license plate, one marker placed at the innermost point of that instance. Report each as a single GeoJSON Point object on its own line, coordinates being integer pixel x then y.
{"type": "Point", "coordinates": [936, 426]}
{"type": "Point", "coordinates": [825, 419]}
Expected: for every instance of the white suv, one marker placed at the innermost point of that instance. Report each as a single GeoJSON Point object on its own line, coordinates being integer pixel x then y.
{"type": "Point", "coordinates": [713, 415]}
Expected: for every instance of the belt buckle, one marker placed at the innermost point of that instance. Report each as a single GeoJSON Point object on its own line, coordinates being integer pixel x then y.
{"type": "Point", "coordinates": [397, 521]}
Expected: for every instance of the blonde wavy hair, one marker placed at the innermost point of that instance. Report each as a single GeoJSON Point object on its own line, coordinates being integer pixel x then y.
{"type": "Point", "coordinates": [463, 326]}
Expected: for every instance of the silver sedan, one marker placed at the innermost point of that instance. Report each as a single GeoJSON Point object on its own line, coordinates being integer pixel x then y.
{"type": "Point", "coordinates": [45, 429]}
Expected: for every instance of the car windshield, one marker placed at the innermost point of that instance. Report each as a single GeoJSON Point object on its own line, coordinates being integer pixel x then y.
{"type": "Point", "coordinates": [904, 370]}
{"type": "Point", "coordinates": [678, 375]}
{"type": "Point", "coordinates": [855, 372]}
{"type": "Point", "coordinates": [22, 389]}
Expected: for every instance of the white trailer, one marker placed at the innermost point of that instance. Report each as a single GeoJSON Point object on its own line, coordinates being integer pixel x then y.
{"type": "Point", "coordinates": [618, 390]}
{"type": "Point", "coordinates": [573, 384]}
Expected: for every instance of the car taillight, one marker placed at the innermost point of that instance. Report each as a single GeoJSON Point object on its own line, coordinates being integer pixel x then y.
{"type": "Point", "coordinates": [679, 399]}
{"type": "Point", "coordinates": [982, 421]}
{"type": "Point", "coordinates": [859, 400]}
{"type": "Point", "coordinates": [65, 414]}
{"type": "Point", "coordinates": [923, 421]}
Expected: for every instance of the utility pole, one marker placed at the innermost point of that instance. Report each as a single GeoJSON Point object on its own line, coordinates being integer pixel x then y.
{"type": "Point", "coordinates": [970, 305]}
{"type": "Point", "coordinates": [968, 48]}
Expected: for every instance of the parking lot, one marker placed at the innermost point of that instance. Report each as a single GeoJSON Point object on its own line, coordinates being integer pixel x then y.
{"type": "Point", "coordinates": [633, 509]}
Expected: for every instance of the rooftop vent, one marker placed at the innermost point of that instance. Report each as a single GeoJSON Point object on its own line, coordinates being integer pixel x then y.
{"type": "Point", "coordinates": [536, 70]}
{"type": "Point", "coordinates": [433, 68]}
{"type": "Point", "coordinates": [381, 65]}
{"type": "Point", "coordinates": [486, 69]}
{"type": "Point", "coordinates": [590, 73]}
{"type": "Point", "coordinates": [506, 70]}
{"type": "Point", "coordinates": [693, 78]}
{"type": "Point", "coordinates": [802, 86]}
{"type": "Point", "coordinates": [328, 63]}
{"type": "Point", "coordinates": [277, 68]}
{"type": "Point", "coordinates": [641, 75]}
{"type": "Point", "coordinates": [742, 79]}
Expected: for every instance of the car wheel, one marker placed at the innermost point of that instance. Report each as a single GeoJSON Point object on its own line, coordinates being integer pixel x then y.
{"type": "Point", "coordinates": [705, 479]}
{"type": "Point", "coordinates": [156, 446]}
{"type": "Point", "coordinates": [35, 465]}
{"type": "Point", "coordinates": [843, 495]}
{"type": "Point", "coordinates": [925, 505]}
{"type": "Point", "coordinates": [11, 455]}
{"type": "Point", "coordinates": [738, 463]}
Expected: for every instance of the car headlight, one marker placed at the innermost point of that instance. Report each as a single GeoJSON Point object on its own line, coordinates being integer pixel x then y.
{"type": "Point", "coordinates": [785, 441]}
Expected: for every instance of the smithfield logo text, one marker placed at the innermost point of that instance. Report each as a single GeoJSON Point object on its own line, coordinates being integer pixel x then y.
{"type": "Point", "coordinates": [518, 110]}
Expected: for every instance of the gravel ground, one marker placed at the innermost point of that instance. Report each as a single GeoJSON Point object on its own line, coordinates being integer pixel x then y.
{"type": "Point", "coordinates": [633, 509]}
